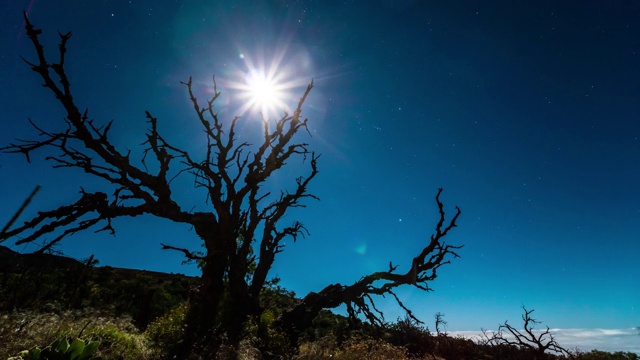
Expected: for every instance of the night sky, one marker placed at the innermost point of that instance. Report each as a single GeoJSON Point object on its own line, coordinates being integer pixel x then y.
{"type": "Point", "coordinates": [527, 113]}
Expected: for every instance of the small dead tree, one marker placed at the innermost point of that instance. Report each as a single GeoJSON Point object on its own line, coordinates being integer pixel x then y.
{"type": "Point", "coordinates": [242, 232]}
{"type": "Point", "coordinates": [441, 324]}
{"type": "Point", "coordinates": [538, 342]}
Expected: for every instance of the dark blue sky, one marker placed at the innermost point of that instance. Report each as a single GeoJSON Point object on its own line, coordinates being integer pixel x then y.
{"type": "Point", "coordinates": [527, 113]}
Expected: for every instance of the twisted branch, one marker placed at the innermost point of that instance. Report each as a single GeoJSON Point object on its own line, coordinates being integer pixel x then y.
{"type": "Point", "coordinates": [358, 297]}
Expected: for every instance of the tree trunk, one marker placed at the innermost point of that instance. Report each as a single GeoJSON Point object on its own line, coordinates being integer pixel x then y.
{"type": "Point", "coordinates": [222, 302]}
{"type": "Point", "coordinates": [240, 307]}
{"type": "Point", "coordinates": [203, 315]}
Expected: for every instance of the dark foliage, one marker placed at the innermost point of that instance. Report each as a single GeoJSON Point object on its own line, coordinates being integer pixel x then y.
{"type": "Point", "coordinates": [410, 334]}
{"type": "Point", "coordinates": [602, 355]}
{"type": "Point", "coordinates": [47, 281]}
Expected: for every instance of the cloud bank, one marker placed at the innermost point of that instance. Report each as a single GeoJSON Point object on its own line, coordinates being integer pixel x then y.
{"type": "Point", "coordinates": [611, 340]}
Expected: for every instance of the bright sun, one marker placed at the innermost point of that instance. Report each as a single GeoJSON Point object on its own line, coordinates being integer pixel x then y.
{"type": "Point", "coordinates": [267, 85]}
{"type": "Point", "coordinates": [265, 93]}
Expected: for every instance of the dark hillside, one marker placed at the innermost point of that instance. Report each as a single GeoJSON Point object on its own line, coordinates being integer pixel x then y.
{"type": "Point", "coordinates": [53, 282]}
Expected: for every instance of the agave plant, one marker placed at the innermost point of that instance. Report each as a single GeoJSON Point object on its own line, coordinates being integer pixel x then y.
{"type": "Point", "coordinates": [62, 349]}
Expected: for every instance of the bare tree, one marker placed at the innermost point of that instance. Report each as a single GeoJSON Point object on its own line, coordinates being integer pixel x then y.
{"type": "Point", "coordinates": [538, 342]}
{"type": "Point", "coordinates": [242, 233]}
{"type": "Point", "coordinates": [441, 324]}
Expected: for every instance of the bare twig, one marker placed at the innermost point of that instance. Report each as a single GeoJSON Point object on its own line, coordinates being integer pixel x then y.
{"type": "Point", "coordinates": [20, 210]}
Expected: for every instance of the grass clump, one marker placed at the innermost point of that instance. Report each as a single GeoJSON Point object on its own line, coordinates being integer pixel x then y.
{"type": "Point", "coordinates": [352, 349]}
{"type": "Point", "coordinates": [118, 337]}
{"type": "Point", "coordinates": [167, 331]}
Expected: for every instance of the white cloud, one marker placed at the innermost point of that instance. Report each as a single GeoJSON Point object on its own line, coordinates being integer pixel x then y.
{"type": "Point", "coordinates": [627, 340]}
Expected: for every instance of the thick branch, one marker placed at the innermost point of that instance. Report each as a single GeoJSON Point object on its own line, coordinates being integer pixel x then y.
{"type": "Point", "coordinates": [359, 296]}
{"type": "Point", "coordinates": [90, 210]}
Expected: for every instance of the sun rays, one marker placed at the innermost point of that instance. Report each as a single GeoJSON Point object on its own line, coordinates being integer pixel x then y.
{"type": "Point", "coordinates": [267, 84]}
